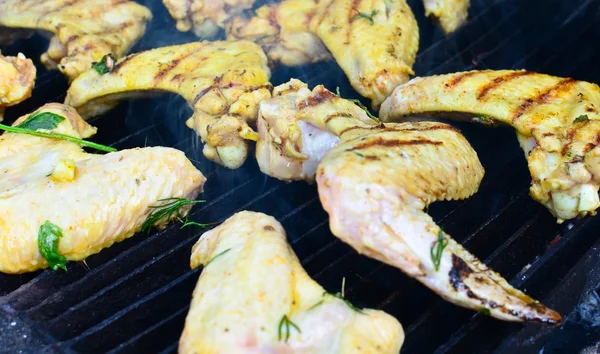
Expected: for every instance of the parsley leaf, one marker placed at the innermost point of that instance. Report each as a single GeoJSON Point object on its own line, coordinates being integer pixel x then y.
{"type": "Point", "coordinates": [105, 65]}
{"type": "Point", "coordinates": [48, 237]}
{"type": "Point", "coordinates": [581, 118]}
{"type": "Point", "coordinates": [41, 120]}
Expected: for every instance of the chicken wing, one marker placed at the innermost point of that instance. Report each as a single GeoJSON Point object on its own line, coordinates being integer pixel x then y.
{"type": "Point", "coordinates": [374, 42]}
{"type": "Point", "coordinates": [105, 199]}
{"type": "Point", "coordinates": [253, 296]}
{"type": "Point", "coordinates": [205, 17]}
{"type": "Point", "coordinates": [222, 81]}
{"type": "Point", "coordinates": [556, 119]}
{"type": "Point", "coordinates": [84, 30]}
{"type": "Point", "coordinates": [451, 14]}
{"type": "Point", "coordinates": [17, 77]}
{"type": "Point", "coordinates": [375, 187]}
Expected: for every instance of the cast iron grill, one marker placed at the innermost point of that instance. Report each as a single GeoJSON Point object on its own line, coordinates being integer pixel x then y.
{"type": "Point", "coordinates": [134, 296]}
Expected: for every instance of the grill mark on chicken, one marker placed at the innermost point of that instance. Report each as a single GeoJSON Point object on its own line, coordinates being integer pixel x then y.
{"type": "Point", "coordinates": [119, 65]}
{"type": "Point", "coordinates": [385, 128]}
{"type": "Point", "coordinates": [392, 143]}
{"type": "Point", "coordinates": [458, 78]}
{"type": "Point", "coordinates": [562, 85]}
{"type": "Point", "coordinates": [337, 115]}
{"type": "Point", "coordinates": [56, 9]}
{"type": "Point", "coordinates": [459, 271]}
{"type": "Point", "coordinates": [499, 81]}
{"type": "Point", "coordinates": [320, 97]}
{"type": "Point", "coordinates": [173, 64]}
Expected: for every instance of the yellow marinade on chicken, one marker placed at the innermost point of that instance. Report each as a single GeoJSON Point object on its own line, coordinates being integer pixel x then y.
{"type": "Point", "coordinates": [17, 77]}
{"type": "Point", "coordinates": [374, 41]}
{"type": "Point", "coordinates": [222, 81]}
{"type": "Point", "coordinates": [84, 30]}
{"type": "Point", "coordinates": [556, 119]}
{"type": "Point", "coordinates": [253, 296]}
{"type": "Point", "coordinates": [451, 14]}
{"type": "Point", "coordinates": [205, 17]}
{"type": "Point", "coordinates": [95, 200]}
{"type": "Point", "coordinates": [375, 180]}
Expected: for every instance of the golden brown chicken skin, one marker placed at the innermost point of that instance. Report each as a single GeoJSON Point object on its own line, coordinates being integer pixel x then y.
{"type": "Point", "coordinates": [374, 41]}
{"type": "Point", "coordinates": [253, 296]}
{"type": "Point", "coordinates": [17, 77]}
{"type": "Point", "coordinates": [451, 14]}
{"type": "Point", "coordinates": [84, 30]}
{"type": "Point", "coordinates": [204, 17]}
{"type": "Point", "coordinates": [223, 82]}
{"type": "Point", "coordinates": [556, 119]}
{"type": "Point", "coordinates": [95, 200]}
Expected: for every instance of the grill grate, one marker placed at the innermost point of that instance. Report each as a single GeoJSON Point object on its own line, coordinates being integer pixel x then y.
{"type": "Point", "coordinates": [134, 296]}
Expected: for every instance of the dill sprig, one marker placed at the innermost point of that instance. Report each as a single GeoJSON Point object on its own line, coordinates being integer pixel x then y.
{"type": "Point", "coordinates": [284, 329]}
{"type": "Point", "coordinates": [358, 103]}
{"type": "Point", "coordinates": [365, 16]}
{"type": "Point", "coordinates": [216, 256]}
{"type": "Point", "coordinates": [187, 222]}
{"type": "Point", "coordinates": [170, 209]}
{"type": "Point", "coordinates": [340, 295]}
{"type": "Point", "coordinates": [437, 248]}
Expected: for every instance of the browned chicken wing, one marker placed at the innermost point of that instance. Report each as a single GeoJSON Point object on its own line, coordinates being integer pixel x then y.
{"type": "Point", "coordinates": [17, 77]}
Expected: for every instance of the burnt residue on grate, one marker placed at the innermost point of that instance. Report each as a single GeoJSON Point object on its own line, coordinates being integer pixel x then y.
{"type": "Point", "coordinates": [133, 296]}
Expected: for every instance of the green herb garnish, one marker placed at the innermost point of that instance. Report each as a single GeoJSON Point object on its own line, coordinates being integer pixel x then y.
{"type": "Point", "coordinates": [169, 210]}
{"type": "Point", "coordinates": [41, 120]}
{"type": "Point", "coordinates": [581, 118]}
{"type": "Point", "coordinates": [358, 103]}
{"type": "Point", "coordinates": [365, 16]}
{"type": "Point", "coordinates": [485, 311]}
{"type": "Point", "coordinates": [284, 329]}
{"type": "Point", "coordinates": [340, 295]}
{"type": "Point", "coordinates": [48, 237]}
{"type": "Point", "coordinates": [317, 304]}
{"type": "Point", "coordinates": [49, 121]}
{"type": "Point", "coordinates": [216, 256]}
{"type": "Point", "coordinates": [105, 64]}
{"type": "Point", "coordinates": [187, 222]}
{"type": "Point", "coordinates": [437, 248]}
{"type": "Point", "coordinates": [483, 120]}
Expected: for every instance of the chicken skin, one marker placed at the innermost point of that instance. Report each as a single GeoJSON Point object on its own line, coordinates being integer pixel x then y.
{"type": "Point", "coordinates": [374, 41]}
{"type": "Point", "coordinates": [222, 81]}
{"type": "Point", "coordinates": [451, 14]}
{"type": "Point", "coordinates": [17, 77]}
{"type": "Point", "coordinates": [205, 17]}
{"type": "Point", "coordinates": [375, 179]}
{"type": "Point", "coordinates": [253, 296]}
{"type": "Point", "coordinates": [106, 199]}
{"type": "Point", "coordinates": [84, 30]}
{"type": "Point", "coordinates": [556, 119]}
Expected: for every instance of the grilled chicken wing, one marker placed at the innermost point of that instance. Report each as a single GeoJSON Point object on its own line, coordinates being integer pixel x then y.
{"type": "Point", "coordinates": [17, 76]}
{"type": "Point", "coordinates": [375, 180]}
{"type": "Point", "coordinates": [222, 81]}
{"type": "Point", "coordinates": [105, 201]}
{"type": "Point", "coordinates": [84, 30]}
{"type": "Point", "coordinates": [253, 296]}
{"type": "Point", "coordinates": [374, 42]}
{"type": "Point", "coordinates": [205, 17]}
{"type": "Point", "coordinates": [556, 119]}
{"type": "Point", "coordinates": [375, 186]}
{"type": "Point", "coordinates": [451, 14]}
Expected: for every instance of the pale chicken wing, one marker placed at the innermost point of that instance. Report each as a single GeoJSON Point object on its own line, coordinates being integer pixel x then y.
{"type": "Point", "coordinates": [253, 296]}
{"type": "Point", "coordinates": [88, 201]}
{"type": "Point", "coordinates": [205, 17]}
{"type": "Point", "coordinates": [222, 81]}
{"type": "Point", "coordinates": [374, 41]}
{"type": "Point", "coordinates": [84, 30]}
{"type": "Point", "coordinates": [375, 188]}
{"type": "Point", "coordinates": [17, 77]}
{"type": "Point", "coordinates": [451, 14]}
{"type": "Point", "coordinates": [556, 119]}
